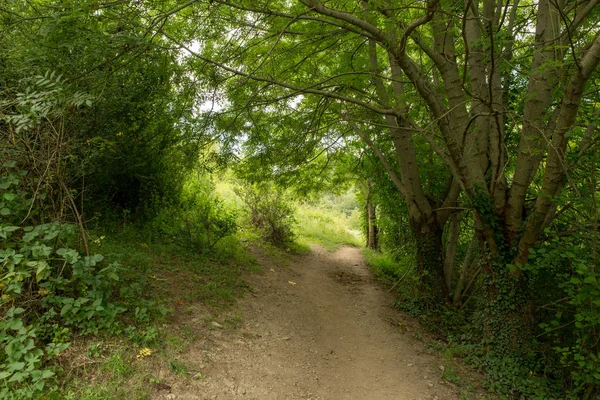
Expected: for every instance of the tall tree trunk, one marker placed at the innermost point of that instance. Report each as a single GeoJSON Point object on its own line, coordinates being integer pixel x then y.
{"type": "Point", "coordinates": [508, 313]}
{"type": "Point", "coordinates": [372, 230]}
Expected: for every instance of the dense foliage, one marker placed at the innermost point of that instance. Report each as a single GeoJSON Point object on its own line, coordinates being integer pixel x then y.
{"type": "Point", "coordinates": [468, 129]}
{"type": "Point", "coordinates": [97, 128]}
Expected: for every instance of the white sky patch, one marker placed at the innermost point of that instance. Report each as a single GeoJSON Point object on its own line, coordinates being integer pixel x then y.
{"type": "Point", "coordinates": [195, 46]}
{"type": "Point", "coordinates": [212, 105]}
{"type": "Point", "coordinates": [295, 101]}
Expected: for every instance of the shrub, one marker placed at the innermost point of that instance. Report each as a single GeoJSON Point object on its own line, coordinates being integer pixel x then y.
{"type": "Point", "coordinates": [199, 219]}
{"type": "Point", "coordinates": [270, 211]}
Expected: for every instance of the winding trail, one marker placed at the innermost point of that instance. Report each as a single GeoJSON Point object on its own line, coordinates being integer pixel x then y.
{"type": "Point", "coordinates": [320, 328]}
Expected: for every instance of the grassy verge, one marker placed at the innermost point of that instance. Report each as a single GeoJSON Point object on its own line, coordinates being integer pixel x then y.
{"type": "Point", "coordinates": [147, 353]}
{"type": "Point", "coordinates": [384, 266]}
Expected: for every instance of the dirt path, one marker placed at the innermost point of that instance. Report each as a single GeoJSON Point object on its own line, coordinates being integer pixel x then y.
{"type": "Point", "coordinates": [320, 328]}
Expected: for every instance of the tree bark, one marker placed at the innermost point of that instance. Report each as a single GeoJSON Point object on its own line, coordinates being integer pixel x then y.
{"type": "Point", "coordinates": [451, 245]}
{"type": "Point", "coordinates": [372, 230]}
{"type": "Point", "coordinates": [460, 288]}
{"type": "Point", "coordinates": [430, 258]}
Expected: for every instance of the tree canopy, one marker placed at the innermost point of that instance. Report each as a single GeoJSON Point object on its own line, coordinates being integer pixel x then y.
{"type": "Point", "coordinates": [471, 127]}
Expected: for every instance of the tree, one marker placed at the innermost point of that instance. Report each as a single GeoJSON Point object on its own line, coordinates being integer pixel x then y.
{"type": "Point", "coordinates": [495, 91]}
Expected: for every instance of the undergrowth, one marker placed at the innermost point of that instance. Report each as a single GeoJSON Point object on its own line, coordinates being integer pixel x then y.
{"type": "Point", "coordinates": [116, 284]}
{"type": "Point", "coordinates": [116, 365]}
{"type": "Point", "coordinates": [548, 368]}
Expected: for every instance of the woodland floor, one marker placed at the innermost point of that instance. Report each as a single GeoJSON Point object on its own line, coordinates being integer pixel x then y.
{"type": "Point", "coordinates": [315, 327]}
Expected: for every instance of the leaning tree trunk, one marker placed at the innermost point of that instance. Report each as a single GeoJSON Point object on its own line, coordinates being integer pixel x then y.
{"type": "Point", "coordinates": [451, 247]}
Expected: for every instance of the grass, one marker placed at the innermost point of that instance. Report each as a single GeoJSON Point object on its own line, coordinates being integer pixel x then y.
{"type": "Point", "coordinates": [103, 376]}
{"type": "Point", "coordinates": [117, 366]}
{"type": "Point", "coordinates": [179, 274]}
{"type": "Point", "coordinates": [177, 366]}
{"type": "Point", "coordinates": [384, 266]}
{"type": "Point", "coordinates": [327, 224]}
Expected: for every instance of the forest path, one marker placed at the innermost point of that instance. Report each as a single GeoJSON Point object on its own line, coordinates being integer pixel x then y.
{"type": "Point", "coordinates": [319, 328]}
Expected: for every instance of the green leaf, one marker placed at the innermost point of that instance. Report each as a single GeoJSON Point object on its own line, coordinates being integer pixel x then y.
{"type": "Point", "coordinates": [47, 374]}
{"type": "Point", "coordinates": [18, 376]}
{"type": "Point", "coordinates": [71, 256]}
{"type": "Point", "coordinates": [43, 271]}
{"type": "Point", "coordinates": [29, 236]}
{"type": "Point", "coordinates": [16, 366]}
{"type": "Point", "coordinates": [9, 196]}
{"type": "Point", "coordinates": [15, 311]}
{"type": "Point", "coordinates": [65, 309]}
{"type": "Point", "coordinates": [4, 231]}
{"type": "Point", "coordinates": [41, 251]}
{"type": "Point", "coordinates": [14, 323]}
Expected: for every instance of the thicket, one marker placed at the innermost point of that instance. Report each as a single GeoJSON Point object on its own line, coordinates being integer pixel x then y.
{"type": "Point", "coordinates": [97, 130]}
{"type": "Point", "coordinates": [198, 219]}
{"type": "Point", "coordinates": [53, 288]}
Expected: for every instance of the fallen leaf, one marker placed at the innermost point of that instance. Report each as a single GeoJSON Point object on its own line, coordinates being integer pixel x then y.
{"type": "Point", "coordinates": [145, 352]}
{"type": "Point", "coordinates": [292, 283]}
{"type": "Point", "coordinates": [272, 270]}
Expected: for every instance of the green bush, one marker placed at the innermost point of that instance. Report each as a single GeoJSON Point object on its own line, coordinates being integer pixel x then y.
{"type": "Point", "coordinates": [199, 219]}
{"type": "Point", "coordinates": [269, 210]}
{"type": "Point", "coordinates": [563, 269]}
